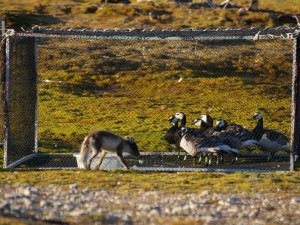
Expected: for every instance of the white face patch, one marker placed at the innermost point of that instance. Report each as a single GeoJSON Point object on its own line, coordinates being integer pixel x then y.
{"type": "Point", "coordinates": [179, 115]}
{"type": "Point", "coordinates": [198, 122]}
{"type": "Point", "coordinates": [220, 123]}
{"type": "Point", "coordinates": [204, 118]}
{"type": "Point", "coordinates": [257, 116]}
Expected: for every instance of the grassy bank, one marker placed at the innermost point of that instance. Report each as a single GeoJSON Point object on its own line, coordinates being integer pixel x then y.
{"type": "Point", "coordinates": [165, 14]}
{"type": "Point", "coordinates": [183, 182]}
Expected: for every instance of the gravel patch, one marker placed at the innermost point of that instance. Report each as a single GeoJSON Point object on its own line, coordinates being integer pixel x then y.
{"type": "Point", "coordinates": [74, 205]}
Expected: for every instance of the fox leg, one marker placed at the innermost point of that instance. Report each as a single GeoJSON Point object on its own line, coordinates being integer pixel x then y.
{"type": "Point", "coordinates": [93, 155]}
{"type": "Point", "coordinates": [123, 162]}
{"type": "Point", "coordinates": [102, 155]}
{"type": "Point", "coordinates": [120, 156]}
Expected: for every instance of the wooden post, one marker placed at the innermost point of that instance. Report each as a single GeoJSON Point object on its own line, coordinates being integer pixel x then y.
{"type": "Point", "coordinates": [295, 118]}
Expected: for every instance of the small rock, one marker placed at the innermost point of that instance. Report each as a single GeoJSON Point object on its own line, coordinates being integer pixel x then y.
{"type": "Point", "coordinates": [111, 218]}
{"type": "Point", "coordinates": [167, 210]}
{"type": "Point", "coordinates": [53, 215]}
{"type": "Point", "coordinates": [295, 200]}
{"type": "Point", "coordinates": [204, 193]}
{"type": "Point", "coordinates": [73, 187]}
{"type": "Point", "coordinates": [25, 191]}
{"type": "Point", "coordinates": [181, 210]}
{"type": "Point", "coordinates": [235, 200]}
{"type": "Point", "coordinates": [68, 207]}
{"type": "Point", "coordinates": [4, 206]}
{"type": "Point", "coordinates": [43, 203]}
{"type": "Point", "coordinates": [154, 212]}
{"type": "Point", "coordinates": [77, 213]}
{"type": "Point", "coordinates": [253, 213]}
{"type": "Point", "coordinates": [27, 202]}
{"type": "Point", "coordinates": [193, 206]}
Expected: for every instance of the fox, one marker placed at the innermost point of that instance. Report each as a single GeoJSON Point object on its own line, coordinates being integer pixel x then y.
{"type": "Point", "coordinates": [104, 141]}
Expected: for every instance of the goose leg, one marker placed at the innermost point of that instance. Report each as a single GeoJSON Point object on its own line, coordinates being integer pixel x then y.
{"type": "Point", "coordinates": [178, 156]}
{"type": "Point", "coordinates": [200, 158]}
{"type": "Point", "coordinates": [271, 156]}
{"type": "Point", "coordinates": [206, 160]}
{"type": "Point", "coordinates": [222, 157]}
{"type": "Point", "coordinates": [218, 159]}
{"type": "Point", "coordinates": [195, 160]}
{"type": "Point", "coordinates": [209, 159]}
{"type": "Point", "coordinates": [235, 158]}
{"type": "Point", "coordinates": [185, 156]}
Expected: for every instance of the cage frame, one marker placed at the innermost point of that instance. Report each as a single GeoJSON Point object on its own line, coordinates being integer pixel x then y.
{"type": "Point", "coordinates": [266, 33]}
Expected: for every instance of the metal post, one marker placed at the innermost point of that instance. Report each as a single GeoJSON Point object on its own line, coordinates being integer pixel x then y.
{"type": "Point", "coordinates": [2, 28]}
{"type": "Point", "coordinates": [295, 129]}
{"type": "Point", "coordinates": [4, 73]}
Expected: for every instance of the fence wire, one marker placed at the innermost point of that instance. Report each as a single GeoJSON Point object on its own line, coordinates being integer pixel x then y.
{"type": "Point", "coordinates": [131, 86]}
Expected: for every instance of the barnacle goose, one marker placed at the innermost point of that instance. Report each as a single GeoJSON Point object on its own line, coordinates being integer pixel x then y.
{"type": "Point", "coordinates": [243, 134]}
{"type": "Point", "coordinates": [269, 140]}
{"type": "Point", "coordinates": [204, 146]}
{"type": "Point", "coordinates": [205, 124]}
{"type": "Point", "coordinates": [170, 134]}
{"type": "Point", "coordinates": [220, 138]}
{"type": "Point", "coordinates": [182, 118]}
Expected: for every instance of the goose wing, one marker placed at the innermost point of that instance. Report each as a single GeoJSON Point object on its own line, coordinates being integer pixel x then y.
{"type": "Point", "coordinates": [187, 143]}
{"type": "Point", "coordinates": [276, 136]}
{"type": "Point", "coordinates": [170, 135]}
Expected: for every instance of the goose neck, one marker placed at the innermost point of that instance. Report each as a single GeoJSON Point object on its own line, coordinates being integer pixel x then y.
{"type": "Point", "coordinates": [258, 130]}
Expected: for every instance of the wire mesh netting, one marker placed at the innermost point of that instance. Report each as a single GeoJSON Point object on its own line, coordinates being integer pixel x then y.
{"type": "Point", "coordinates": [131, 87]}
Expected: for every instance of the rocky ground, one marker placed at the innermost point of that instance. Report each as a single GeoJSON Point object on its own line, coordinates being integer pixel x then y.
{"type": "Point", "coordinates": [60, 205]}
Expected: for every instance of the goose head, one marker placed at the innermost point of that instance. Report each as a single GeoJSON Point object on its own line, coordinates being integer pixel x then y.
{"type": "Point", "coordinates": [173, 120]}
{"type": "Point", "coordinates": [181, 116]}
{"type": "Point", "coordinates": [198, 122]}
{"type": "Point", "coordinates": [257, 116]}
{"type": "Point", "coordinates": [221, 124]}
{"type": "Point", "coordinates": [207, 119]}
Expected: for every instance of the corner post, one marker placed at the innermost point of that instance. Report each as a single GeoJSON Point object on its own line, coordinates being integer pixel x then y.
{"type": "Point", "coordinates": [295, 117]}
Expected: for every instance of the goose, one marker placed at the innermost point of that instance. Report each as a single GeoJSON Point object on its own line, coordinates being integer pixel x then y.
{"type": "Point", "coordinates": [220, 138]}
{"type": "Point", "coordinates": [204, 146]}
{"type": "Point", "coordinates": [269, 140]}
{"type": "Point", "coordinates": [205, 124]}
{"type": "Point", "coordinates": [170, 134]}
{"type": "Point", "coordinates": [243, 134]}
{"type": "Point", "coordinates": [182, 118]}
{"type": "Point", "coordinates": [173, 135]}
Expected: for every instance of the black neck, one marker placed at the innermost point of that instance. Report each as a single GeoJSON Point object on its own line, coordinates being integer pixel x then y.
{"type": "Point", "coordinates": [175, 125]}
{"type": "Point", "coordinates": [204, 126]}
{"type": "Point", "coordinates": [259, 129]}
{"type": "Point", "coordinates": [183, 121]}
